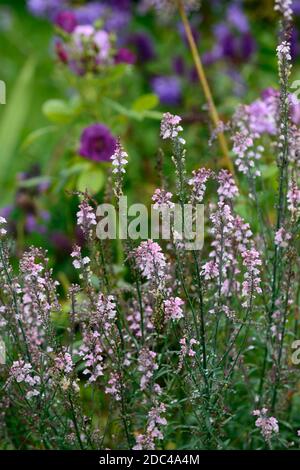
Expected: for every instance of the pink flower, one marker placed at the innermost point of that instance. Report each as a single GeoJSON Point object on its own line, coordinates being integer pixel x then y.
{"type": "Point", "coordinates": [162, 199]}
{"type": "Point", "coordinates": [186, 349]}
{"type": "Point", "coordinates": [267, 425]}
{"type": "Point", "coordinates": [119, 159]}
{"type": "Point", "coordinates": [252, 261]}
{"type": "Point", "coordinates": [227, 188]}
{"type": "Point", "coordinates": [198, 183]}
{"type": "Point", "coordinates": [86, 218]}
{"type": "Point", "coordinates": [282, 238]}
{"type": "Point", "coordinates": [170, 127]}
{"type": "Point", "coordinates": [150, 260]}
{"type": "Point", "coordinates": [146, 365]}
{"type": "Point", "coordinates": [114, 386]}
{"type": "Point", "coordinates": [173, 308]}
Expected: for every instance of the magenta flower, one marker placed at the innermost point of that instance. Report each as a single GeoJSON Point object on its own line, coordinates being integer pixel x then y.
{"type": "Point", "coordinates": [66, 20]}
{"type": "Point", "coordinates": [125, 56]}
{"type": "Point", "coordinates": [97, 143]}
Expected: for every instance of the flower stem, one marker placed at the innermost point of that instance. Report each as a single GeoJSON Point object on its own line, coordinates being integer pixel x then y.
{"type": "Point", "coordinates": [205, 86]}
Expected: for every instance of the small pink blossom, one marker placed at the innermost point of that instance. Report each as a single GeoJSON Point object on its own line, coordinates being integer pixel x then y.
{"type": "Point", "coordinates": [170, 127]}
{"type": "Point", "coordinates": [282, 238]}
{"type": "Point", "coordinates": [173, 308]}
{"type": "Point", "coordinates": [267, 425]}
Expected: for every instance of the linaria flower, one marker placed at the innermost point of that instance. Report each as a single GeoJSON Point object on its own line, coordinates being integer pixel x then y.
{"type": "Point", "coordinates": [227, 188]}
{"type": "Point", "coordinates": [252, 261]}
{"type": "Point", "coordinates": [267, 425]}
{"type": "Point", "coordinates": [173, 308]}
{"type": "Point", "coordinates": [153, 432]}
{"type": "Point", "coordinates": [162, 199]}
{"type": "Point", "coordinates": [285, 8]}
{"type": "Point", "coordinates": [293, 198]}
{"type": "Point", "coordinates": [186, 349]}
{"type": "Point", "coordinates": [146, 365]}
{"type": "Point", "coordinates": [114, 386]}
{"type": "Point", "coordinates": [23, 373]}
{"type": "Point", "coordinates": [282, 238]}
{"type": "Point", "coordinates": [170, 127]}
{"type": "Point", "coordinates": [86, 218]}
{"type": "Point", "coordinates": [3, 231]}
{"type": "Point", "coordinates": [198, 183]}
{"type": "Point", "coordinates": [150, 260]}
{"type": "Point", "coordinates": [119, 159]}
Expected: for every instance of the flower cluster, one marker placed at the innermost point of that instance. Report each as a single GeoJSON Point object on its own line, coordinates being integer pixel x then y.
{"type": "Point", "coordinates": [23, 373]}
{"type": "Point", "coordinates": [173, 308]}
{"type": "Point", "coordinates": [153, 432]}
{"type": "Point", "coordinates": [282, 238]}
{"type": "Point", "coordinates": [186, 350]}
{"type": "Point", "coordinates": [119, 159]}
{"type": "Point", "coordinates": [251, 283]}
{"type": "Point", "coordinates": [170, 127]}
{"type": "Point", "coordinates": [86, 218]}
{"type": "Point", "coordinates": [198, 183]}
{"type": "Point", "coordinates": [162, 199]}
{"type": "Point", "coordinates": [267, 425]}
{"type": "Point", "coordinates": [91, 352]}
{"type": "Point", "coordinates": [227, 188]}
{"type": "Point", "coordinates": [146, 365]}
{"type": "Point", "coordinates": [150, 260]}
{"type": "Point", "coordinates": [293, 198]}
{"type": "Point", "coordinates": [3, 231]}
{"type": "Point", "coordinates": [285, 8]}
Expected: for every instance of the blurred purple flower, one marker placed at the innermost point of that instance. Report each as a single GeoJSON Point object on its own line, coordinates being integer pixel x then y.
{"type": "Point", "coordinates": [46, 8]}
{"type": "Point", "coordinates": [168, 89]}
{"type": "Point", "coordinates": [88, 14]}
{"type": "Point", "coordinates": [97, 143]}
{"type": "Point", "coordinates": [179, 65]}
{"type": "Point", "coordinates": [296, 7]}
{"type": "Point", "coordinates": [32, 225]}
{"type": "Point", "coordinates": [125, 56]}
{"type": "Point", "coordinates": [114, 17]}
{"type": "Point", "coordinates": [143, 46]}
{"type": "Point", "coordinates": [66, 20]}
{"type": "Point", "coordinates": [6, 211]}
{"type": "Point", "coordinates": [61, 242]}
{"type": "Point", "coordinates": [237, 18]}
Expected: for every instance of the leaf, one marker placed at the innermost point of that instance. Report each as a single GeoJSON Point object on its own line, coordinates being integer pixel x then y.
{"type": "Point", "coordinates": [33, 182]}
{"type": "Point", "coordinates": [145, 103]}
{"type": "Point", "coordinates": [92, 181]}
{"type": "Point", "coordinates": [60, 111]}
{"type": "Point", "coordinates": [15, 115]}
{"type": "Point", "coordinates": [37, 134]}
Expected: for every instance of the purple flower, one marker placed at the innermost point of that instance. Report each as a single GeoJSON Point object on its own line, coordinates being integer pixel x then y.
{"type": "Point", "coordinates": [113, 16]}
{"type": "Point", "coordinates": [124, 56]}
{"type": "Point", "coordinates": [66, 20]}
{"type": "Point", "coordinates": [143, 46]}
{"type": "Point", "coordinates": [97, 143]}
{"type": "Point", "coordinates": [237, 18]}
{"type": "Point", "coordinates": [88, 14]}
{"type": "Point", "coordinates": [296, 7]}
{"type": "Point", "coordinates": [168, 89]}
{"type": "Point", "coordinates": [46, 8]}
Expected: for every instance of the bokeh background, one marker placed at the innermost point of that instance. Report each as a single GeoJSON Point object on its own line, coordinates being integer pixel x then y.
{"type": "Point", "coordinates": [48, 105]}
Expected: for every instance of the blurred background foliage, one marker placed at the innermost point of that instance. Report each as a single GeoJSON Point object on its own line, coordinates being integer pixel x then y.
{"type": "Point", "coordinates": [48, 106]}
